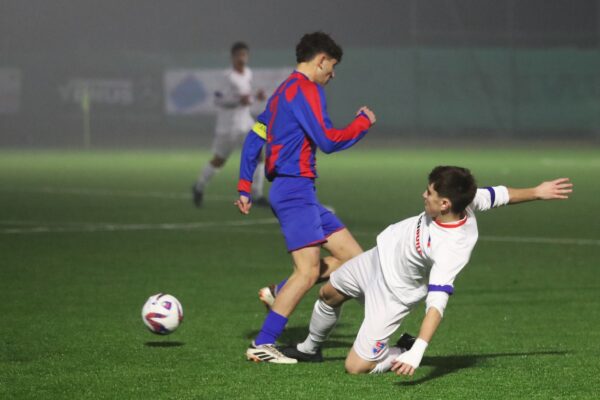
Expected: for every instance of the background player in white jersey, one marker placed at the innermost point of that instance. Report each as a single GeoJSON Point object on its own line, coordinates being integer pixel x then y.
{"type": "Point", "coordinates": [415, 259]}
{"type": "Point", "coordinates": [234, 120]}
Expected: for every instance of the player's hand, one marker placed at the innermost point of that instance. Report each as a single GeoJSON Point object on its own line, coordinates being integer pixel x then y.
{"type": "Point", "coordinates": [401, 368]}
{"type": "Point", "coordinates": [244, 204]}
{"type": "Point", "coordinates": [260, 95]}
{"type": "Point", "coordinates": [245, 100]}
{"type": "Point", "coordinates": [556, 189]}
{"type": "Point", "coordinates": [370, 114]}
{"type": "Point", "coordinates": [407, 362]}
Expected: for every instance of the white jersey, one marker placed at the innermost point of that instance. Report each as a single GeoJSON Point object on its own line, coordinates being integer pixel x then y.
{"type": "Point", "coordinates": [419, 255]}
{"type": "Point", "coordinates": [233, 117]}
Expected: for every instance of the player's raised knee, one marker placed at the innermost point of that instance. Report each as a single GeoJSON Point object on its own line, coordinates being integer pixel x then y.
{"type": "Point", "coordinates": [331, 296]}
{"type": "Point", "coordinates": [323, 293]}
{"type": "Point", "coordinates": [327, 294]}
{"type": "Point", "coordinates": [356, 365]}
{"type": "Point", "coordinates": [352, 369]}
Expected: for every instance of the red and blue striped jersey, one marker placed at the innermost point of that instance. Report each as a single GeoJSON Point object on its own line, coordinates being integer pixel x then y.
{"type": "Point", "coordinates": [294, 124]}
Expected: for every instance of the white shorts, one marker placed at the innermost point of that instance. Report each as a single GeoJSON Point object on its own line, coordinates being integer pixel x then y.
{"type": "Point", "coordinates": [362, 278]}
{"type": "Point", "coordinates": [225, 143]}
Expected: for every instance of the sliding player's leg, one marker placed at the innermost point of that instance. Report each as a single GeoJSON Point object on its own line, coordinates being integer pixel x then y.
{"type": "Point", "coordinates": [325, 315]}
{"type": "Point", "coordinates": [356, 364]}
{"type": "Point", "coordinates": [383, 315]}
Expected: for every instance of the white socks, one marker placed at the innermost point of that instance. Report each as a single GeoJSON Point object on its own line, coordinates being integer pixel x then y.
{"type": "Point", "coordinates": [208, 172]}
{"type": "Point", "coordinates": [386, 364]}
{"type": "Point", "coordinates": [258, 181]}
{"type": "Point", "coordinates": [322, 322]}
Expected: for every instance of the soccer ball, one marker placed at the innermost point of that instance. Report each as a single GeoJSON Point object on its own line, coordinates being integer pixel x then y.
{"type": "Point", "coordinates": [162, 313]}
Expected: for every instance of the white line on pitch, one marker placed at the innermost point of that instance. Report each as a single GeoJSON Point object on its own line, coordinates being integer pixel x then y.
{"type": "Point", "coordinates": [200, 225]}
{"type": "Point", "coordinates": [102, 227]}
{"type": "Point", "coordinates": [238, 225]}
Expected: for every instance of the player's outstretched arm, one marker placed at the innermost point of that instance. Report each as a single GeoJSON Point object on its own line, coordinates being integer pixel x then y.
{"type": "Point", "coordinates": [409, 361]}
{"type": "Point", "coordinates": [557, 189]}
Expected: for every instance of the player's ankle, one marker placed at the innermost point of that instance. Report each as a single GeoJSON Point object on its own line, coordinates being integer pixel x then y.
{"type": "Point", "coordinates": [308, 346]}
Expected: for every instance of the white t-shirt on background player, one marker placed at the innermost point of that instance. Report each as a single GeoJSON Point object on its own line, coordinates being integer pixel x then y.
{"type": "Point", "coordinates": [234, 119]}
{"type": "Point", "coordinates": [232, 116]}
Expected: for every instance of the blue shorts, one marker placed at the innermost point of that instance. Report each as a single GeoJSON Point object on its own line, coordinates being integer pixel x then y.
{"type": "Point", "coordinates": [304, 221]}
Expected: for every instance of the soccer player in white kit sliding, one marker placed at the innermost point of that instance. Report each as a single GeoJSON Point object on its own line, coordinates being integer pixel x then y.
{"type": "Point", "coordinates": [234, 120]}
{"type": "Point", "coordinates": [415, 259]}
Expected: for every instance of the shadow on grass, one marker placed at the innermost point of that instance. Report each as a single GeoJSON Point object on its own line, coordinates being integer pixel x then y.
{"type": "Point", "coordinates": [443, 365]}
{"type": "Point", "coordinates": [164, 344]}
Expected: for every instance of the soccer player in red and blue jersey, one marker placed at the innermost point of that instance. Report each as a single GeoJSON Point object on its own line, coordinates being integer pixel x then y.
{"type": "Point", "coordinates": [294, 124]}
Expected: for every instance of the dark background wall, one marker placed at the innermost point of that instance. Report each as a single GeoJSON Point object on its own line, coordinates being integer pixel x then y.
{"type": "Point", "coordinates": [477, 68]}
{"type": "Point", "coordinates": [192, 25]}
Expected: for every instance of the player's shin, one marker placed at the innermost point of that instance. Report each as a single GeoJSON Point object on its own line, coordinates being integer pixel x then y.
{"type": "Point", "coordinates": [272, 328]}
{"type": "Point", "coordinates": [323, 320]}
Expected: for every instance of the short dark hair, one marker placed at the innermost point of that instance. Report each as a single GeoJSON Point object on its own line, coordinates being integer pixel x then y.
{"type": "Point", "coordinates": [455, 183]}
{"type": "Point", "coordinates": [314, 43]}
{"type": "Point", "coordinates": [237, 46]}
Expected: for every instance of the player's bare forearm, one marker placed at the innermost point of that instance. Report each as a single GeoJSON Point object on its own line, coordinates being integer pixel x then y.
{"type": "Point", "coordinates": [557, 189]}
{"type": "Point", "coordinates": [430, 323]}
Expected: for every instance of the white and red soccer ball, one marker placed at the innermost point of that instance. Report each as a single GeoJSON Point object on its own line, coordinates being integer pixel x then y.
{"type": "Point", "coordinates": [162, 313]}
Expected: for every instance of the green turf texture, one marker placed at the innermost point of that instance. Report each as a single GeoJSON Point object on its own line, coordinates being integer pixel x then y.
{"type": "Point", "coordinates": [524, 321]}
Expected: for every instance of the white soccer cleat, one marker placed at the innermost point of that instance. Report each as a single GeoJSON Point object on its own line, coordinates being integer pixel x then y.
{"type": "Point", "coordinates": [267, 296]}
{"type": "Point", "coordinates": [267, 353]}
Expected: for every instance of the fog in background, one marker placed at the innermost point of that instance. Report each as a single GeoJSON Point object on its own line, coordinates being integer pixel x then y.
{"type": "Point", "coordinates": [527, 69]}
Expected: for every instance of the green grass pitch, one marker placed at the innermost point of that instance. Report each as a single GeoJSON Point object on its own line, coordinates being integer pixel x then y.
{"type": "Point", "coordinates": [85, 238]}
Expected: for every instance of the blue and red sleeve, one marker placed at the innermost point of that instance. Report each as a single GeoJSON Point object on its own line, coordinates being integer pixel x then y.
{"type": "Point", "coordinates": [309, 107]}
{"type": "Point", "coordinates": [251, 150]}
